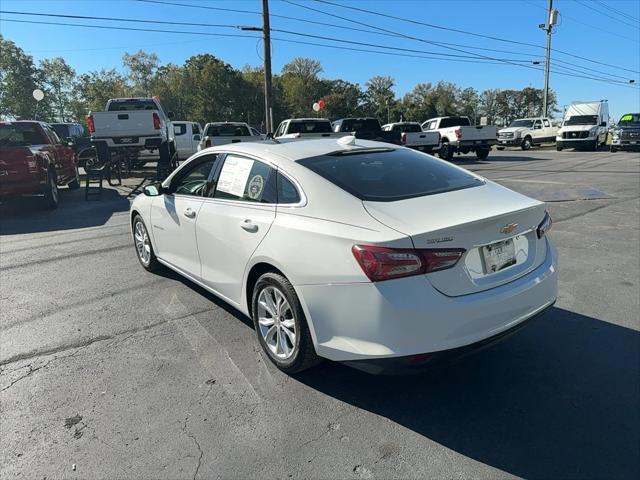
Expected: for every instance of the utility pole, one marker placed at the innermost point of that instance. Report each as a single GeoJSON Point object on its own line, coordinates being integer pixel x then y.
{"type": "Point", "coordinates": [552, 18]}
{"type": "Point", "coordinates": [266, 31]}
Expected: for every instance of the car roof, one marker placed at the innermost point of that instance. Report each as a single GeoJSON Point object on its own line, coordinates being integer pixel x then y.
{"type": "Point", "coordinates": [295, 150]}
{"type": "Point", "coordinates": [24, 121]}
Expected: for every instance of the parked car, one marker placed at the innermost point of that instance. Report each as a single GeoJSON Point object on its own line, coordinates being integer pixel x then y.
{"type": "Point", "coordinates": [626, 135]}
{"type": "Point", "coordinates": [412, 136]}
{"type": "Point", "coordinates": [35, 161]}
{"type": "Point", "coordinates": [367, 128]}
{"type": "Point", "coordinates": [585, 125]}
{"type": "Point", "coordinates": [457, 135]}
{"type": "Point", "coordinates": [75, 133]}
{"type": "Point", "coordinates": [526, 133]}
{"type": "Point", "coordinates": [351, 251]}
{"type": "Point", "coordinates": [222, 133]}
{"type": "Point", "coordinates": [188, 136]}
{"type": "Point", "coordinates": [131, 125]}
{"type": "Point", "coordinates": [300, 128]}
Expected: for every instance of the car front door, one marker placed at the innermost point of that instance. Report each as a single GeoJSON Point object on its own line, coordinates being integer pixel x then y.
{"type": "Point", "coordinates": [64, 156]}
{"type": "Point", "coordinates": [537, 133]}
{"type": "Point", "coordinates": [233, 221]}
{"type": "Point", "coordinates": [174, 215]}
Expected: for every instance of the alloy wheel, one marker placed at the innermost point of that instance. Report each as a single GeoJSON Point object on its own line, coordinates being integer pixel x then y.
{"type": "Point", "coordinates": [143, 246]}
{"type": "Point", "coordinates": [277, 322]}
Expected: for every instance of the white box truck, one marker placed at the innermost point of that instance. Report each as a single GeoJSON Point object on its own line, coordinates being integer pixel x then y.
{"type": "Point", "coordinates": [585, 125]}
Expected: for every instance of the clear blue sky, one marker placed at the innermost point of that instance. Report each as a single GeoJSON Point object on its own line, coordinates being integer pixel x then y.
{"type": "Point", "coordinates": [589, 28]}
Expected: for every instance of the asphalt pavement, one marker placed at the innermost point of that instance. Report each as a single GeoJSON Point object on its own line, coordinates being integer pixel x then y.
{"type": "Point", "coordinates": [107, 371]}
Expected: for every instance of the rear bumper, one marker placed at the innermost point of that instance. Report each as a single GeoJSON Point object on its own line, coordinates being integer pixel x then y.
{"type": "Point", "coordinates": [122, 142]}
{"type": "Point", "coordinates": [476, 143]}
{"type": "Point", "coordinates": [16, 187]}
{"type": "Point", "coordinates": [403, 317]}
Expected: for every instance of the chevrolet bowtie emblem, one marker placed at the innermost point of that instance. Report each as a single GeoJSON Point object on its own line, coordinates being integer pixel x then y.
{"type": "Point", "coordinates": [508, 228]}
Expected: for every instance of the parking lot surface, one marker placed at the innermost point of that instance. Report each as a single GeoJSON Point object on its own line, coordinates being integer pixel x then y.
{"type": "Point", "coordinates": [108, 371]}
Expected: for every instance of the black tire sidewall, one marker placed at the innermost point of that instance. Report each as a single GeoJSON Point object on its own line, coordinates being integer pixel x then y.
{"type": "Point", "coordinates": [526, 143]}
{"type": "Point", "coordinates": [445, 152]}
{"type": "Point", "coordinates": [51, 201]}
{"type": "Point", "coordinates": [298, 360]}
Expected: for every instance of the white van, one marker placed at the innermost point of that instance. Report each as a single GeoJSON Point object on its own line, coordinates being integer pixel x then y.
{"type": "Point", "coordinates": [188, 135]}
{"type": "Point", "coordinates": [585, 125]}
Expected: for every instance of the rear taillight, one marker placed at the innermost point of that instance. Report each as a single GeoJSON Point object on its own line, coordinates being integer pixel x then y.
{"type": "Point", "coordinates": [156, 121]}
{"type": "Point", "coordinates": [207, 143]}
{"type": "Point", "coordinates": [458, 133]}
{"type": "Point", "coordinates": [382, 263]}
{"type": "Point", "coordinates": [403, 139]}
{"type": "Point", "coordinates": [90, 125]}
{"type": "Point", "coordinates": [545, 225]}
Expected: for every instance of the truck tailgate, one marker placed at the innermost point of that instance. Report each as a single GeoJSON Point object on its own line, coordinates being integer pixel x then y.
{"type": "Point", "coordinates": [479, 132]}
{"type": "Point", "coordinates": [131, 123]}
{"type": "Point", "coordinates": [421, 139]}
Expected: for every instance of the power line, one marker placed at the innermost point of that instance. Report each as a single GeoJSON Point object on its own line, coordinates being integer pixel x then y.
{"type": "Point", "coordinates": [619, 12]}
{"type": "Point", "coordinates": [109, 27]}
{"type": "Point", "coordinates": [471, 33]}
{"type": "Point", "coordinates": [606, 14]}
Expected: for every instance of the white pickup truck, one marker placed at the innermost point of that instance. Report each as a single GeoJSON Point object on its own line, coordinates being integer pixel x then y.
{"type": "Point", "coordinates": [301, 128]}
{"type": "Point", "coordinates": [412, 136]}
{"type": "Point", "coordinates": [223, 133]}
{"type": "Point", "coordinates": [458, 135]}
{"type": "Point", "coordinates": [130, 125]}
{"type": "Point", "coordinates": [527, 132]}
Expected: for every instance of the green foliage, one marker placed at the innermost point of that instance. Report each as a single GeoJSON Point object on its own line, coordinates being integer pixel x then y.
{"type": "Point", "coordinates": [206, 89]}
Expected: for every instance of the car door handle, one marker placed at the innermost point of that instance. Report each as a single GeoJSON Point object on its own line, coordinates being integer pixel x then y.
{"type": "Point", "coordinates": [189, 213]}
{"type": "Point", "coordinates": [249, 226]}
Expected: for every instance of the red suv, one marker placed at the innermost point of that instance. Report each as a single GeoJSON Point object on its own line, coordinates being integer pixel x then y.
{"type": "Point", "coordinates": [34, 161]}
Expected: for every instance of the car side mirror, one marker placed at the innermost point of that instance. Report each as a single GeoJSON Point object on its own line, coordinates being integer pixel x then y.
{"type": "Point", "coordinates": [197, 137]}
{"type": "Point", "coordinates": [603, 124]}
{"type": "Point", "coordinates": [153, 190]}
{"type": "Point", "coordinates": [171, 115]}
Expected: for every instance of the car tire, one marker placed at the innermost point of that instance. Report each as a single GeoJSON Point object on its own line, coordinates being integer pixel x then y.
{"type": "Point", "coordinates": [613, 149]}
{"type": "Point", "coordinates": [144, 248]}
{"type": "Point", "coordinates": [482, 153]}
{"type": "Point", "coordinates": [75, 183]}
{"type": "Point", "coordinates": [445, 152]}
{"type": "Point", "coordinates": [500, 148]}
{"type": "Point", "coordinates": [559, 149]}
{"type": "Point", "coordinates": [281, 325]}
{"type": "Point", "coordinates": [594, 146]}
{"type": "Point", "coordinates": [51, 193]}
{"type": "Point", "coordinates": [526, 143]}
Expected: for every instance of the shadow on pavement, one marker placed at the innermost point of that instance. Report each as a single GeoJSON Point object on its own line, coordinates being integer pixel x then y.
{"type": "Point", "coordinates": [26, 215]}
{"type": "Point", "coordinates": [557, 400]}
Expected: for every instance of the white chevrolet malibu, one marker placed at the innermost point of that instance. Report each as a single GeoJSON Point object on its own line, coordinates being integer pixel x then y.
{"type": "Point", "coordinates": [355, 251]}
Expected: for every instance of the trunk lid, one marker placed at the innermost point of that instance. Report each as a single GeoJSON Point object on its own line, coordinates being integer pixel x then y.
{"type": "Point", "coordinates": [471, 218]}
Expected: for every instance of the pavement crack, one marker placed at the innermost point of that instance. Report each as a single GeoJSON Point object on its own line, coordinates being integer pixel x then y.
{"type": "Point", "coordinates": [101, 338]}
{"type": "Point", "coordinates": [188, 433]}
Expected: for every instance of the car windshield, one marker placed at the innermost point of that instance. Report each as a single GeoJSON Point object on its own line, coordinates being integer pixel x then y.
{"type": "Point", "coordinates": [386, 175]}
{"type": "Point", "coordinates": [309, 127]}
{"type": "Point", "coordinates": [360, 125]}
{"type": "Point", "coordinates": [20, 135]}
{"type": "Point", "coordinates": [61, 129]}
{"type": "Point", "coordinates": [134, 104]}
{"type": "Point", "coordinates": [521, 123]}
{"type": "Point", "coordinates": [630, 120]}
{"type": "Point", "coordinates": [227, 130]}
{"type": "Point", "coordinates": [582, 120]}
{"type": "Point", "coordinates": [407, 127]}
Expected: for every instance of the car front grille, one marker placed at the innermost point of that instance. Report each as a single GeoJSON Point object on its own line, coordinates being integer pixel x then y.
{"type": "Point", "coordinates": [572, 135]}
{"type": "Point", "coordinates": [505, 135]}
{"type": "Point", "coordinates": [631, 134]}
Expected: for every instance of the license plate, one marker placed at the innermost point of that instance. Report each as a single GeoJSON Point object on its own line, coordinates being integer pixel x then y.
{"type": "Point", "coordinates": [498, 256]}
{"type": "Point", "coordinates": [477, 142]}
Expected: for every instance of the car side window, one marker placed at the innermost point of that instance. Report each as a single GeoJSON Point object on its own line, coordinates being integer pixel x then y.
{"type": "Point", "coordinates": [246, 180]}
{"type": "Point", "coordinates": [546, 123]}
{"type": "Point", "coordinates": [280, 130]}
{"type": "Point", "coordinates": [53, 136]}
{"type": "Point", "coordinates": [180, 129]}
{"type": "Point", "coordinates": [194, 181]}
{"type": "Point", "coordinates": [196, 129]}
{"type": "Point", "coordinates": [287, 191]}
{"type": "Point", "coordinates": [537, 124]}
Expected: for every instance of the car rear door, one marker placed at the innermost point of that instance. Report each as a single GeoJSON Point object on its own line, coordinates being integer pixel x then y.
{"type": "Point", "coordinates": [174, 215]}
{"type": "Point", "coordinates": [234, 220]}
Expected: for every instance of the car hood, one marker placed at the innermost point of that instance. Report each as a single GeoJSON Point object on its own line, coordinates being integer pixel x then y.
{"type": "Point", "coordinates": [512, 129]}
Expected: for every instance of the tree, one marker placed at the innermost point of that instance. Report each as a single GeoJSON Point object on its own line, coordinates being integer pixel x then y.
{"type": "Point", "coordinates": [17, 81]}
{"type": "Point", "coordinates": [379, 97]}
{"type": "Point", "coordinates": [488, 104]}
{"type": "Point", "coordinates": [57, 78]}
{"type": "Point", "coordinates": [93, 89]}
{"type": "Point", "coordinates": [419, 104]}
{"type": "Point", "coordinates": [307, 68]}
{"type": "Point", "coordinates": [142, 66]}
{"type": "Point", "coordinates": [343, 98]}
{"type": "Point", "coordinates": [467, 104]}
{"type": "Point", "coordinates": [301, 86]}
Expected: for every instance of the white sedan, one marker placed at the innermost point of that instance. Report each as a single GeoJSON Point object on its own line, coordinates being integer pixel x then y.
{"type": "Point", "coordinates": [355, 251]}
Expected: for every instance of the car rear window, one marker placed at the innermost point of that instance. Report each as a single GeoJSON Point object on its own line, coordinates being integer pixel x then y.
{"type": "Point", "coordinates": [407, 128]}
{"type": "Point", "coordinates": [387, 175]}
{"type": "Point", "coordinates": [454, 122]}
{"type": "Point", "coordinates": [20, 134]}
{"type": "Point", "coordinates": [309, 127]}
{"type": "Point", "coordinates": [227, 130]}
{"type": "Point", "coordinates": [125, 105]}
{"type": "Point", "coordinates": [360, 125]}
{"type": "Point", "coordinates": [62, 130]}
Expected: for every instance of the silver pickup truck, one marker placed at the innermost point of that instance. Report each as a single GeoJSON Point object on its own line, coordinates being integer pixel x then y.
{"type": "Point", "coordinates": [130, 125]}
{"type": "Point", "coordinates": [412, 136]}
